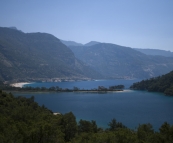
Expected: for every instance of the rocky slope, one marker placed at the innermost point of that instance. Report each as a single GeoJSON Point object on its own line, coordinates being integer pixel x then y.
{"type": "Point", "coordinates": [114, 61]}
{"type": "Point", "coordinates": [38, 55]}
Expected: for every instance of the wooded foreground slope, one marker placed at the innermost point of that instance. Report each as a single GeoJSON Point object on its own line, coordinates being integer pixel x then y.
{"type": "Point", "coordinates": [23, 121]}
{"type": "Point", "coordinates": [162, 83]}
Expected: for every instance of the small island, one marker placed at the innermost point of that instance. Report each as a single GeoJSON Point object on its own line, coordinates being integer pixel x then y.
{"type": "Point", "coordinates": [100, 89]}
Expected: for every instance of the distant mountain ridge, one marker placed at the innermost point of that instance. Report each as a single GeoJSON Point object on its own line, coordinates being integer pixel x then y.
{"type": "Point", "coordinates": [31, 56]}
{"type": "Point", "coordinates": [38, 55]}
{"type": "Point", "coordinates": [114, 61]}
{"type": "Point", "coordinates": [155, 52]}
{"type": "Point", "coordinates": [91, 43]}
{"type": "Point", "coordinates": [14, 28]}
{"type": "Point", "coordinates": [71, 43]}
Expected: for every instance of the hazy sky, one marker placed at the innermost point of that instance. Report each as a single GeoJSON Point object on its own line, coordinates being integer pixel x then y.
{"type": "Point", "coordinates": [133, 23]}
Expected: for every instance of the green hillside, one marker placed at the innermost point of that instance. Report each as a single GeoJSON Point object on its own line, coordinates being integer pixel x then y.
{"type": "Point", "coordinates": [34, 56]}
{"type": "Point", "coordinates": [162, 83]}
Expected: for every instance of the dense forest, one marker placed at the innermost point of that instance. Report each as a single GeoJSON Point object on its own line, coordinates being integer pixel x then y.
{"type": "Point", "coordinates": [162, 84]}
{"type": "Point", "coordinates": [22, 120]}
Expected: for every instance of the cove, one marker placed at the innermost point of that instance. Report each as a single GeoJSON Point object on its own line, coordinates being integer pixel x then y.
{"type": "Point", "coordinates": [129, 107]}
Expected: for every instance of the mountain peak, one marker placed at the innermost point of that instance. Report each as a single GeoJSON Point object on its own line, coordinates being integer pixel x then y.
{"type": "Point", "coordinates": [13, 27]}
{"type": "Point", "coordinates": [38, 56]}
{"type": "Point", "coordinates": [71, 43]}
{"type": "Point", "coordinates": [91, 43]}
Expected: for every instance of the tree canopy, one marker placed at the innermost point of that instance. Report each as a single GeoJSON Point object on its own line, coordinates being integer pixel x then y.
{"type": "Point", "coordinates": [162, 84]}
{"type": "Point", "coordinates": [23, 120]}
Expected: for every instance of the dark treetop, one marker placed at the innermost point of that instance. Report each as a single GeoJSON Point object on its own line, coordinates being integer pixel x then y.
{"type": "Point", "coordinates": [162, 83]}
{"type": "Point", "coordinates": [23, 121]}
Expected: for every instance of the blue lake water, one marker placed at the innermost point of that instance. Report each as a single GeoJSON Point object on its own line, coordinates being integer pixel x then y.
{"type": "Point", "coordinates": [129, 107]}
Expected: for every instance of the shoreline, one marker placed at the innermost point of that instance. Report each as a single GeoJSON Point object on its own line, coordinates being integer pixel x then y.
{"type": "Point", "coordinates": [19, 84]}
{"type": "Point", "coordinates": [88, 91]}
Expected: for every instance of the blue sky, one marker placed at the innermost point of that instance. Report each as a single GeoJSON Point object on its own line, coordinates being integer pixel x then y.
{"type": "Point", "coordinates": [132, 23]}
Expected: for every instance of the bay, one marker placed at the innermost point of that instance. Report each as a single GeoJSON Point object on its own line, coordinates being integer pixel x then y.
{"type": "Point", "coordinates": [129, 107]}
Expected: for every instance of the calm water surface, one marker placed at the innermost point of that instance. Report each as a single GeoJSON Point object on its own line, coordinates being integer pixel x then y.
{"type": "Point", "coordinates": [129, 107]}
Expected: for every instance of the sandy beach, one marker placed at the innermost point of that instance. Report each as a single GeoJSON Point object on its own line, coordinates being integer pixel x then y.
{"type": "Point", "coordinates": [20, 84]}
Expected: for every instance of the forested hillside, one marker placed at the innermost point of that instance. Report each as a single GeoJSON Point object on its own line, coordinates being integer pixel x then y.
{"type": "Point", "coordinates": [32, 56]}
{"type": "Point", "coordinates": [162, 83]}
{"type": "Point", "coordinates": [23, 121]}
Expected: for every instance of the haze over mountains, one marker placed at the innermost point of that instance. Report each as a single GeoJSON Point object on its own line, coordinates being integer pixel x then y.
{"type": "Point", "coordinates": [114, 61]}
{"type": "Point", "coordinates": [72, 43]}
{"type": "Point", "coordinates": [38, 56]}
{"type": "Point", "coordinates": [155, 52]}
